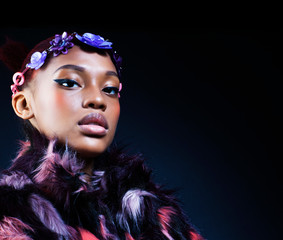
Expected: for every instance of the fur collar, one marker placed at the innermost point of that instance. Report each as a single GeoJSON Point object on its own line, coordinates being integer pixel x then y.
{"type": "Point", "coordinates": [120, 202]}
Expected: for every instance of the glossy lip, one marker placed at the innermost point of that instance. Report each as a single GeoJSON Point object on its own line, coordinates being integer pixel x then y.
{"type": "Point", "coordinates": [93, 124]}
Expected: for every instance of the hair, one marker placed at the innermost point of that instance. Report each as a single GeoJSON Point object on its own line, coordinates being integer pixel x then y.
{"type": "Point", "coordinates": [16, 55]}
{"type": "Point", "coordinates": [13, 53]}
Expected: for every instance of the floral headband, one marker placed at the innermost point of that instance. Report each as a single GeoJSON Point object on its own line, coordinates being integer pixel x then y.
{"type": "Point", "coordinates": [60, 45]}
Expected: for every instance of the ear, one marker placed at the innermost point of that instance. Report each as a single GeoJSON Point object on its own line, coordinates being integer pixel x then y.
{"type": "Point", "coordinates": [21, 105]}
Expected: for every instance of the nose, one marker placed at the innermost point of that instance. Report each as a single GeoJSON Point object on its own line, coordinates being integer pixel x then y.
{"type": "Point", "coordinates": [94, 99]}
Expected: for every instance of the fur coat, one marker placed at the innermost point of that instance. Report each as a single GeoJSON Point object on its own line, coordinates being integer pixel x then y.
{"type": "Point", "coordinates": [45, 195]}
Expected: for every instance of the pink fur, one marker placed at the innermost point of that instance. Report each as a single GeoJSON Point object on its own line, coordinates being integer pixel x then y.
{"type": "Point", "coordinates": [47, 164]}
{"type": "Point", "coordinates": [164, 215]}
{"type": "Point", "coordinates": [46, 169]}
{"type": "Point", "coordinates": [13, 228]}
{"type": "Point", "coordinates": [129, 236]}
{"type": "Point", "coordinates": [70, 163]}
{"type": "Point", "coordinates": [115, 184]}
{"type": "Point", "coordinates": [24, 146]}
{"type": "Point", "coordinates": [86, 235]}
{"type": "Point", "coordinates": [103, 229]}
{"type": "Point", "coordinates": [195, 236]}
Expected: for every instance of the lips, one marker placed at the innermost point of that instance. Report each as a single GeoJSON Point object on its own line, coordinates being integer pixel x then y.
{"type": "Point", "coordinates": [93, 124]}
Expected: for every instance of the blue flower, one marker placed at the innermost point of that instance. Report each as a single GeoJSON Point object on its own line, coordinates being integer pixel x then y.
{"type": "Point", "coordinates": [94, 41]}
{"type": "Point", "coordinates": [37, 60]}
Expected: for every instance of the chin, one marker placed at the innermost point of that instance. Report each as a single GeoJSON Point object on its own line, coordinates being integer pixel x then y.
{"type": "Point", "coordinates": [91, 148]}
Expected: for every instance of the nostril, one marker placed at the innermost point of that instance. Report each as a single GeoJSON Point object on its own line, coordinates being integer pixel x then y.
{"type": "Point", "coordinates": [96, 106]}
{"type": "Point", "coordinates": [91, 105]}
{"type": "Point", "coordinates": [102, 106]}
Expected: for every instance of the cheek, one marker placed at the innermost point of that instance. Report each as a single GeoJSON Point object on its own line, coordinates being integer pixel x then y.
{"type": "Point", "coordinates": [115, 113]}
{"type": "Point", "coordinates": [55, 105]}
{"type": "Point", "coordinates": [66, 103]}
{"type": "Point", "coordinates": [55, 109]}
{"type": "Point", "coordinates": [59, 101]}
{"type": "Point", "coordinates": [65, 109]}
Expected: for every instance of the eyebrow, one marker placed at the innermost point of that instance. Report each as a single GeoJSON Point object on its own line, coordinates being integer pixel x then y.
{"type": "Point", "coordinates": [71, 66]}
{"type": "Point", "coordinates": [112, 73]}
{"type": "Point", "coordinates": [82, 69]}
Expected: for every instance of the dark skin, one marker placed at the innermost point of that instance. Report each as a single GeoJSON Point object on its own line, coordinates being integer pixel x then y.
{"type": "Point", "coordinates": [69, 88]}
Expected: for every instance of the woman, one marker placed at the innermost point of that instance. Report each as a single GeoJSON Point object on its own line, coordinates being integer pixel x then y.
{"type": "Point", "coordinates": [67, 181]}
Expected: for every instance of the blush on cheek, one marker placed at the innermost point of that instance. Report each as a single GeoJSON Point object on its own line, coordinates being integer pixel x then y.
{"type": "Point", "coordinates": [59, 99]}
{"type": "Point", "coordinates": [64, 106]}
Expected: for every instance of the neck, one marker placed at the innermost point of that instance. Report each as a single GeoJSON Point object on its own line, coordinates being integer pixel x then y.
{"type": "Point", "coordinates": [89, 164]}
{"type": "Point", "coordinates": [88, 168]}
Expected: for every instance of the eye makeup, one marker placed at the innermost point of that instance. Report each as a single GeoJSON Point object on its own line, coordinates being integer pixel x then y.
{"type": "Point", "coordinates": [69, 83]}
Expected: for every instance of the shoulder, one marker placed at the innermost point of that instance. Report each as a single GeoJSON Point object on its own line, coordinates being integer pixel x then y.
{"type": "Point", "coordinates": [24, 212]}
{"type": "Point", "coordinates": [14, 228]}
{"type": "Point", "coordinates": [14, 179]}
{"type": "Point", "coordinates": [15, 189]}
{"type": "Point", "coordinates": [141, 207]}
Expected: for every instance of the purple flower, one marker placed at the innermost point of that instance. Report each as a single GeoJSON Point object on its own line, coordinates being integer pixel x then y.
{"type": "Point", "coordinates": [94, 41]}
{"type": "Point", "coordinates": [117, 62]}
{"type": "Point", "coordinates": [37, 60]}
{"type": "Point", "coordinates": [61, 44]}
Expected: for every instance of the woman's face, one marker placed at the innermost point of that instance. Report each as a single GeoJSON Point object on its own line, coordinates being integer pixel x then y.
{"type": "Point", "coordinates": [75, 99]}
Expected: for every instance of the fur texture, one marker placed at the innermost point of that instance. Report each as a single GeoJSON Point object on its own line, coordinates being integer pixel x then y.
{"type": "Point", "coordinates": [45, 195]}
{"type": "Point", "coordinates": [13, 228]}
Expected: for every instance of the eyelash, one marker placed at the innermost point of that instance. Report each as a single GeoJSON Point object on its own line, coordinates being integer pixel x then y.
{"type": "Point", "coordinates": [112, 91]}
{"type": "Point", "coordinates": [109, 91]}
{"type": "Point", "coordinates": [67, 83]}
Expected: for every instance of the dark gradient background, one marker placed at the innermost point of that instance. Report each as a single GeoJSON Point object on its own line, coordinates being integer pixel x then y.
{"type": "Point", "coordinates": [205, 108]}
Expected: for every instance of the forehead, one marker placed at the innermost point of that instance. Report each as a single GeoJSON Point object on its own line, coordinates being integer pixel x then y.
{"type": "Point", "coordinates": [91, 61]}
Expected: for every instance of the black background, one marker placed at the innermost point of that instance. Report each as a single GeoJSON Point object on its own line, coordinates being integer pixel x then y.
{"type": "Point", "coordinates": [205, 108]}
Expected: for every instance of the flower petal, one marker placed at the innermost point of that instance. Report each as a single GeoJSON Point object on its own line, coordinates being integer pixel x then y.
{"type": "Point", "coordinates": [64, 35]}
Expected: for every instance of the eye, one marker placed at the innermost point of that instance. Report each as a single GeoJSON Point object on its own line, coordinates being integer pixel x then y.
{"type": "Point", "coordinates": [69, 83]}
{"type": "Point", "coordinates": [111, 90]}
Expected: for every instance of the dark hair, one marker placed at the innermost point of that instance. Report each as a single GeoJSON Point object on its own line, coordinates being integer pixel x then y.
{"type": "Point", "coordinates": [13, 53]}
